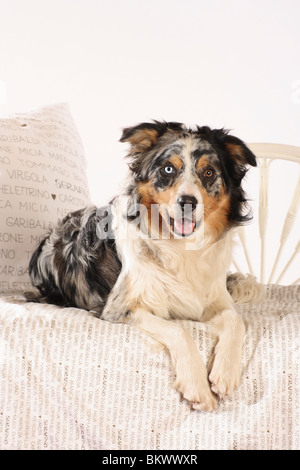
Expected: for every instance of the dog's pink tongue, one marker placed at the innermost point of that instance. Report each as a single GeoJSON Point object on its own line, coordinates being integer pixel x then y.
{"type": "Point", "coordinates": [184, 226]}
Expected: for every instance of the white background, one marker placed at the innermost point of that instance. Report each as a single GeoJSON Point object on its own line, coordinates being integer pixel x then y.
{"type": "Point", "coordinates": [222, 63]}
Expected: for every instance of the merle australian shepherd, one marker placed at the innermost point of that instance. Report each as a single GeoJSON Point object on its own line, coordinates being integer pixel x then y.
{"type": "Point", "coordinates": [161, 251]}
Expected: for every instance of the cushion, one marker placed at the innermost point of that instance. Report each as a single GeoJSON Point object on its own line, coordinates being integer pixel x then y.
{"type": "Point", "coordinates": [43, 177]}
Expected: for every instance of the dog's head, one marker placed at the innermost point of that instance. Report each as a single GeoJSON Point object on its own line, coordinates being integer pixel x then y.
{"type": "Point", "coordinates": [190, 175]}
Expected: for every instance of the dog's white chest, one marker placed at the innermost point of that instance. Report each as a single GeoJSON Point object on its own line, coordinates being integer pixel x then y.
{"type": "Point", "coordinates": [187, 299]}
{"type": "Point", "coordinates": [178, 285]}
{"type": "Point", "coordinates": [173, 282]}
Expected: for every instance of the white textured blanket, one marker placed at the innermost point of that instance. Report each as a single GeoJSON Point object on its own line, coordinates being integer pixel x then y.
{"type": "Point", "coordinates": [71, 381]}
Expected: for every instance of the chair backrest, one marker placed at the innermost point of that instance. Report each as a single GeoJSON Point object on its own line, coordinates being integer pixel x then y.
{"type": "Point", "coordinates": [268, 248]}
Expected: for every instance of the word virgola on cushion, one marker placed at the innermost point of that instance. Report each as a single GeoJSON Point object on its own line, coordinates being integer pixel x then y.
{"type": "Point", "coordinates": [42, 178]}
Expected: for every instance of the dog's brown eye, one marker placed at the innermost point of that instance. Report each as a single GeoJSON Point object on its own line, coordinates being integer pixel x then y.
{"type": "Point", "coordinates": [209, 173]}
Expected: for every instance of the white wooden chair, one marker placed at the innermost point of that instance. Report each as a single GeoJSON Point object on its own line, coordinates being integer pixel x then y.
{"type": "Point", "coordinates": [268, 245]}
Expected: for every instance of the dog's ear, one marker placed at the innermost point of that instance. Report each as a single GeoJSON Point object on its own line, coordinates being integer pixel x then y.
{"type": "Point", "coordinates": [142, 139]}
{"type": "Point", "coordinates": [239, 151]}
{"type": "Point", "coordinates": [235, 148]}
{"type": "Point", "coordinates": [143, 136]}
{"type": "Point", "coordinates": [237, 155]}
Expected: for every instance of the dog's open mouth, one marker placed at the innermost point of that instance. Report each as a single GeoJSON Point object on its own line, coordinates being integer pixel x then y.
{"type": "Point", "coordinates": [183, 226]}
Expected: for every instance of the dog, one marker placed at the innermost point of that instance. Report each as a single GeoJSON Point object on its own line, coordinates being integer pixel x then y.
{"type": "Point", "coordinates": [161, 251]}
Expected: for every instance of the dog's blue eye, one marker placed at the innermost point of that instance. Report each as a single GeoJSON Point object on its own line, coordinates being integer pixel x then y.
{"type": "Point", "coordinates": [169, 170]}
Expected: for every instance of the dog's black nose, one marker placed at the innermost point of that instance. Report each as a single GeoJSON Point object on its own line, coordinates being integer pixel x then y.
{"type": "Point", "coordinates": [183, 200]}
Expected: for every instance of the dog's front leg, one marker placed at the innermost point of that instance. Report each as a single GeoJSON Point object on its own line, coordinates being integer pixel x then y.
{"type": "Point", "coordinates": [191, 375]}
{"type": "Point", "coordinates": [226, 368]}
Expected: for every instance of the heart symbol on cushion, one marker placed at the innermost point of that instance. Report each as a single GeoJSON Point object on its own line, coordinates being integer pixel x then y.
{"type": "Point", "coordinates": [53, 196]}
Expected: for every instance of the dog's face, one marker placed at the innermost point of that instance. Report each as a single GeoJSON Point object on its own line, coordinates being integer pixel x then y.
{"type": "Point", "coordinates": [189, 176]}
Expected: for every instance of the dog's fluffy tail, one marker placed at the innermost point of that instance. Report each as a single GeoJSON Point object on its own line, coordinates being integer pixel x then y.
{"type": "Point", "coordinates": [244, 288]}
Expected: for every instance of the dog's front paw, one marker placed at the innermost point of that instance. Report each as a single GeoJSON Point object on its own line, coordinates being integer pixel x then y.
{"type": "Point", "coordinates": [225, 375]}
{"type": "Point", "coordinates": [195, 388]}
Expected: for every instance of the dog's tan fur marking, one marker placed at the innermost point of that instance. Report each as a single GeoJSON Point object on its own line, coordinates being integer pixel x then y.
{"type": "Point", "coordinates": [176, 161]}
{"type": "Point", "coordinates": [150, 196]}
{"type": "Point", "coordinates": [216, 211]}
{"type": "Point", "coordinates": [143, 139]}
{"type": "Point", "coordinates": [202, 162]}
{"type": "Point", "coordinates": [236, 151]}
